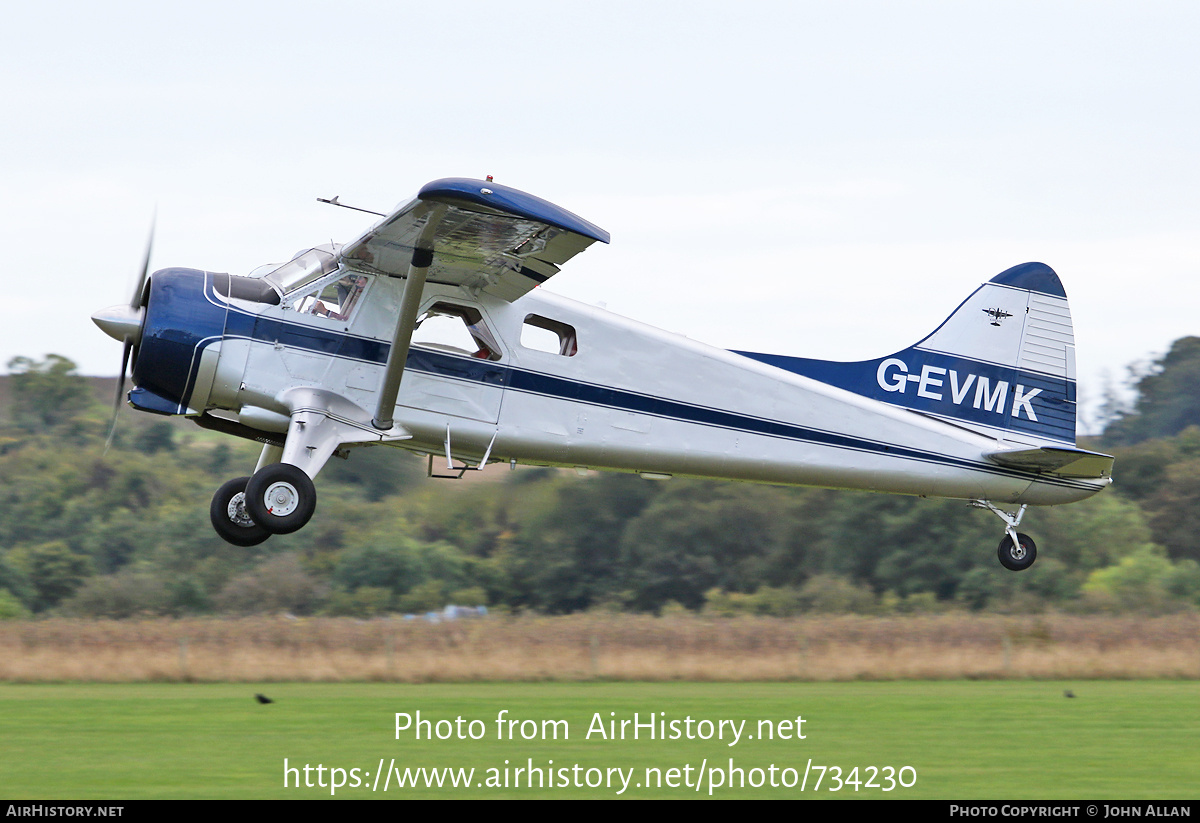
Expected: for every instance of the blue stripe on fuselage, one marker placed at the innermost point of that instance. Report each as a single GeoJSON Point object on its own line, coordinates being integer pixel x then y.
{"type": "Point", "coordinates": [576, 391]}
{"type": "Point", "coordinates": [950, 386]}
{"type": "Point", "coordinates": [310, 338]}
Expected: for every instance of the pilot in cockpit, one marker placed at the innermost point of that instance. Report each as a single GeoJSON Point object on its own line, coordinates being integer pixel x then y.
{"type": "Point", "coordinates": [346, 292]}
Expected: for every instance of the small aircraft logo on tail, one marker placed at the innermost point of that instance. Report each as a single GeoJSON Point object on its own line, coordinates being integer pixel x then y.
{"type": "Point", "coordinates": [997, 315]}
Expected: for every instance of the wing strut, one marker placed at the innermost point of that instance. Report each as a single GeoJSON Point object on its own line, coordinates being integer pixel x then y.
{"type": "Point", "coordinates": [410, 302]}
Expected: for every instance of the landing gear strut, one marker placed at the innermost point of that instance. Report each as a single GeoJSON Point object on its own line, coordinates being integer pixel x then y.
{"type": "Point", "coordinates": [280, 498]}
{"type": "Point", "coordinates": [1017, 551]}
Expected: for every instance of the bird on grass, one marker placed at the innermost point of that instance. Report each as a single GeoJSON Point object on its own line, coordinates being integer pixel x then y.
{"type": "Point", "coordinates": [1068, 693]}
{"type": "Point", "coordinates": [263, 699]}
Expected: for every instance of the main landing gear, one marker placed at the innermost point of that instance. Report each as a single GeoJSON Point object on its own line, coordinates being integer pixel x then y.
{"type": "Point", "coordinates": [1017, 551]}
{"type": "Point", "coordinates": [278, 499]}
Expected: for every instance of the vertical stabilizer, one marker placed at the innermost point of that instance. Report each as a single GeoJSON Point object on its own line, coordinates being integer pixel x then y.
{"type": "Point", "coordinates": [1003, 363]}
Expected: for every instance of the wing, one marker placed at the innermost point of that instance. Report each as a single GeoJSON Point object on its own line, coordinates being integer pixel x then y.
{"type": "Point", "coordinates": [482, 236]}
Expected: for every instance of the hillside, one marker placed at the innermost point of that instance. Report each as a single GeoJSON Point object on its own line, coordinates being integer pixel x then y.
{"type": "Point", "coordinates": [124, 532]}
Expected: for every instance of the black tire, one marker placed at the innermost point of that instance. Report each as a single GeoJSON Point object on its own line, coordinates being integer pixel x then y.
{"type": "Point", "coordinates": [1017, 557]}
{"type": "Point", "coordinates": [230, 518]}
{"type": "Point", "coordinates": [281, 498]}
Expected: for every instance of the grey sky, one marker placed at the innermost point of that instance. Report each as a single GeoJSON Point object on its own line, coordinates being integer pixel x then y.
{"type": "Point", "coordinates": [818, 179]}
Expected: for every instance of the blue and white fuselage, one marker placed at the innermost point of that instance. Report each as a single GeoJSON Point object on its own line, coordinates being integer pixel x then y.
{"type": "Point", "coordinates": [631, 397]}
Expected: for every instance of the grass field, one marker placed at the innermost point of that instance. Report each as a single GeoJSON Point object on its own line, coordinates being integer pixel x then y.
{"type": "Point", "coordinates": [962, 740]}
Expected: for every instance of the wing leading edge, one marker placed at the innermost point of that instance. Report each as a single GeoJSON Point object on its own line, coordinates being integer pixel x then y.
{"type": "Point", "coordinates": [482, 236]}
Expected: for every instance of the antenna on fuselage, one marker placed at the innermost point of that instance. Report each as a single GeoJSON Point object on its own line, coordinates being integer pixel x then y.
{"type": "Point", "coordinates": [334, 202]}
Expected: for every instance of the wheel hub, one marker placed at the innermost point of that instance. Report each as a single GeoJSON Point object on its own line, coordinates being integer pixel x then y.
{"type": "Point", "coordinates": [281, 499]}
{"type": "Point", "coordinates": [237, 511]}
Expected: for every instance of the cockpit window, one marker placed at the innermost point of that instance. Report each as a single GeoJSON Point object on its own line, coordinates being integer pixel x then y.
{"type": "Point", "coordinates": [306, 267]}
{"type": "Point", "coordinates": [334, 299]}
{"type": "Point", "coordinates": [456, 329]}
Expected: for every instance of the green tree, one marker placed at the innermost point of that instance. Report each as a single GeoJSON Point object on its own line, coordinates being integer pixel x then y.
{"type": "Point", "coordinates": [564, 551]}
{"type": "Point", "coordinates": [11, 608]}
{"type": "Point", "coordinates": [905, 545]}
{"type": "Point", "coordinates": [376, 472]}
{"type": "Point", "coordinates": [14, 581]}
{"type": "Point", "coordinates": [1174, 510]}
{"type": "Point", "coordinates": [126, 594]}
{"type": "Point", "coordinates": [698, 535]}
{"type": "Point", "coordinates": [1168, 397]}
{"type": "Point", "coordinates": [156, 437]}
{"type": "Point", "coordinates": [395, 567]}
{"type": "Point", "coordinates": [46, 393]}
{"type": "Point", "coordinates": [1142, 581]}
{"type": "Point", "coordinates": [276, 585]}
{"type": "Point", "coordinates": [53, 570]}
{"type": "Point", "coordinates": [1090, 534]}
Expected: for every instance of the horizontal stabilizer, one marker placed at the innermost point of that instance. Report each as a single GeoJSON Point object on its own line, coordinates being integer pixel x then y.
{"type": "Point", "coordinates": [1063, 461]}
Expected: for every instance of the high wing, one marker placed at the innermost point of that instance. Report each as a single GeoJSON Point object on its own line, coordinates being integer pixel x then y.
{"type": "Point", "coordinates": [482, 236]}
{"type": "Point", "coordinates": [470, 233]}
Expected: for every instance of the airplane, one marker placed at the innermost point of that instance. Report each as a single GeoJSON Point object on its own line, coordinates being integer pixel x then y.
{"type": "Point", "coordinates": [428, 332]}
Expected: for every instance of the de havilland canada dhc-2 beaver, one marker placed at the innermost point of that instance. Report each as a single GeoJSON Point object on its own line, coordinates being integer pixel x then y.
{"type": "Point", "coordinates": [428, 332]}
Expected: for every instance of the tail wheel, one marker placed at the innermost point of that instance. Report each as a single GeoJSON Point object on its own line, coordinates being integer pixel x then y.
{"type": "Point", "coordinates": [230, 518]}
{"type": "Point", "coordinates": [281, 498]}
{"type": "Point", "coordinates": [1017, 556]}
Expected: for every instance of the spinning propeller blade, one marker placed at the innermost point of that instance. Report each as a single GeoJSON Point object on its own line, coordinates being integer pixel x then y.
{"type": "Point", "coordinates": [112, 423]}
{"type": "Point", "coordinates": [136, 301]}
{"type": "Point", "coordinates": [125, 325]}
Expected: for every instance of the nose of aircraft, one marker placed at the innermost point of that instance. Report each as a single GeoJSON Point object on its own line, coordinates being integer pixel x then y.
{"type": "Point", "coordinates": [122, 322]}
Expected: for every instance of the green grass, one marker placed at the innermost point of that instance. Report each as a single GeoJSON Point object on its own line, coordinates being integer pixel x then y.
{"type": "Point", "coordinates": [965, 740]}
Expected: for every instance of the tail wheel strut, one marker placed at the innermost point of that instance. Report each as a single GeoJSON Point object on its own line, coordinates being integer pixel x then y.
{"type": "Point", "coordinates": [1016, 551]}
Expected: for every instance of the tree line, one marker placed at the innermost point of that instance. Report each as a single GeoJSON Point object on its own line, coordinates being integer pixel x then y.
{"type": "Point", "coordinates": [124, 531]}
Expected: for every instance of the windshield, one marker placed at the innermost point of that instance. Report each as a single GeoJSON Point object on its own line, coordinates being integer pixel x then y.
{"type": "Point", "coordinates": [334, 299]}
{"type": "Point", "coordinates": [305, 267]}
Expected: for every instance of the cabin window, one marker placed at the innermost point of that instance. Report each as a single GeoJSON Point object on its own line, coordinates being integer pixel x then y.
{"type": "Point", "coordinates": [543, 334]}
{"type": "Point", "coordinates": [334, 299]}
{"type": "Point", "coordinates": [455, 329]}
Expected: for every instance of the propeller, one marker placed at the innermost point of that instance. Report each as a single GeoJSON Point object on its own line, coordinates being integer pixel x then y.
{"type": "Point", "coordinates": [124, 323]}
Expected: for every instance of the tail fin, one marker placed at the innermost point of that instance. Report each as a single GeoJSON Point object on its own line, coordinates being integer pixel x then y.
{"type": "Point", "coordinates": [1002, 364]}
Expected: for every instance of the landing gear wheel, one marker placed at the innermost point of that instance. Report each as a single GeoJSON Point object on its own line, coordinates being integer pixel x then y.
{"type": "Point", "coordinates": [229, 516]}
{"type": "Point", "coordinates": [281, 498]}
{"type": "Point", "coordinates": [1019, 556]}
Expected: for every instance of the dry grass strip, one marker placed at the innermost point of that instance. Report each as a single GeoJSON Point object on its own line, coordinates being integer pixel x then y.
{"type": "Point", "coordinates": [602, 647]}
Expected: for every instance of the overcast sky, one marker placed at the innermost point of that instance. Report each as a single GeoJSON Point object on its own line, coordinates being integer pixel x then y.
{"type": "Point", "coordinates": [810, 178]}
